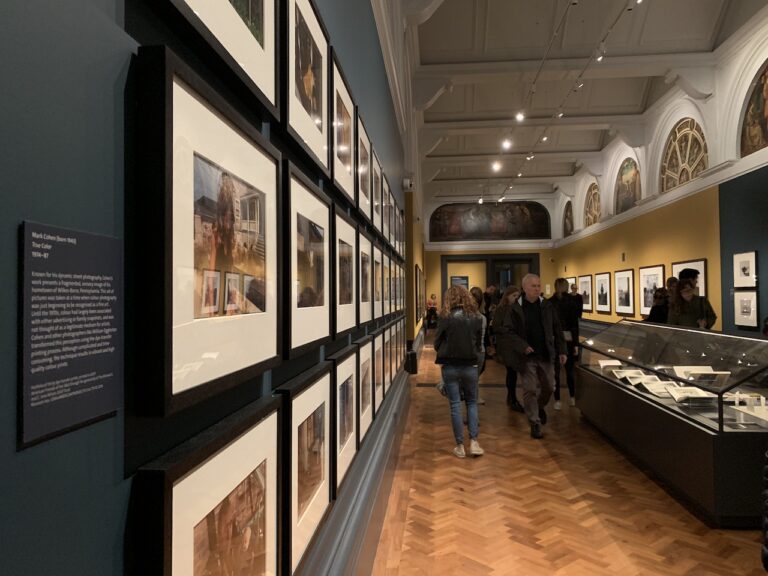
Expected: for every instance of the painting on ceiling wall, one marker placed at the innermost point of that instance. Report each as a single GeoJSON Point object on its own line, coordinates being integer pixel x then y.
{"type": "Point", "coordinates": [754, 126]}
{"type": "Point", "coordinates": [520, 220]}
{"type": "Point", "coordinates": [568, 220]}
{"type": "Point", "coordinates": [592, 206]}
{"type": "Point", "coordinates": [685, 154]}
{"type": "Point", "coordinates": [627, 185]}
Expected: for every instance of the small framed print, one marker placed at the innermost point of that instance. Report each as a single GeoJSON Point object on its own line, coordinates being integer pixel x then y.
{"type": "Point", "coordinates": [345, 391]}
{"type": "Point", "coordinates": [745, 311]}
{"type": "Point", "coordinates": [365, 277]}
{"type": "Point", "coordinates": [365, 379]}
{"type": "Point", "coordinates": [391, 218]}
{"type": "Point", "coordinates": [386, 208]}
{"type": "Point", "coordinates": [345, 266]}
{"type": "Point", "coordinates": [245, 35]}
{"type": "Point", "coordinates": [745, 270]}
{"type": "Point", "coordinates": [571, 282]}
{"type": "Point", "coordinates": [306, 107]}
{"type": "Point", "coordinates": [378, 283]}
{"type": "Point", "coordinates": [343, 133]}
{"type": "Point", "coordinates": [195, 500]}
{"type": "Point", "coordinates": [378, 370]}
{"type": "Point", "coordinates": [307, 483]}
{"type": "Point", "coordinates": [391, 351]}
{"type": "Point", "coordinates": [387, 358]}
{"type": "Point", "coordinates": [651, 278]}
{"type": "Point", "coordinates": [364, 158]}
{"type": "Point", "coordinates": [700, 266]}
{"type": "Point", "coordinates": [376, 179]}
{"type": "Point", "coordinates": [210, 222]}
{"type": "Point", "coordinates": [308, 213]}
{"type": "Point", "coordinates": [585, 291]}
{"type": "Point", "coordinates": [387, 282]}
{"type": "Point", "coordinates": [624, 281]}
{"type": "Point", "coordinates": [603, 292]}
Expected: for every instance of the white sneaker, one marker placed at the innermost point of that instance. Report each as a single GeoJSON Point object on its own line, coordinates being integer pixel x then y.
{"type": "Point", "coordinates": [573, 401]}
{"type": "Point", "coordinates": [458, 451]}
{"type": "Point", "coordinates": [557, 404]}
{"type": "Point", "coordinates": [474, 448]}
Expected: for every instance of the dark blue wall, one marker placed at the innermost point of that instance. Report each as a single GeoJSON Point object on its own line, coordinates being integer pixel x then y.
{"type": "Point", "coordinates": [63, 503]}
{"type": "Point", "coordinates": [743, 228]}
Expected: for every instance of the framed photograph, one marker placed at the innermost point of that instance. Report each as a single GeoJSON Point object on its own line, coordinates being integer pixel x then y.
{"type": "Point", "coordinates": [419, 312]}
{"type": "Point", "coordinates": [585, 290]}
{"type": "Point", "coordinates": [387, 280]}
{"type": "Point", "coordinates": [376, 184]}
{"type": "Point", "coordinates": [365, 380]}
{"type": "Point", "coordinates": [206, 214]}
{"type": "Point", "coordinates": [700, 266]}
{"type": "Point", "coordinates": [364, 158]}
{"type": "Point", "coordinates": [625, 291]}
{"type": "Point", "coordinates": [214, 499]}
{"type": "Point", "coordinates": [365, 277]}
{"type": "Point", "coordinates": [344, 176]}
{"type": "Point", "coordinates": [571, 281]}
{"type": "Point", "coordinates": [385, 208]}
{"type": "Point", "coordinates": [603, 292]}
{"type": "Point", "coordinates": [378, 283]}
{"type": "Point", "coordinates": [387, 358]}
{"type": "Point", "coordinates": [306, 107]}
{"type": "Point", "coordinates": [308, 213]}
{"type": "Point", "coordinates": [307, 483]}
{"type": "Point", "coordinates": [460, 281]}
{"type": "Point", "coordinates": [345, 266]}
{"type": "Point", "coordinates": [651, 278]}
{"type": "Point", "coordinates": [745, 311]}
{"type": "Point", "coordinates": [745, 270]}
{"type": "Point", "coordinates": [244, 34]}
{"type": "Point", "coordinates": [378, 370]}
{"type": "Point", "coordinates": [345, 389]}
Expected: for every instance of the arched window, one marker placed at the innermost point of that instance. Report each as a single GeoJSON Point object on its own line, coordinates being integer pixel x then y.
{"type": "Point", "coordinates": [685, 154]}
{"type": "Point", "coordinates": [568, 220]}
{"type": "Point", "coordinates": [592, 206]}
{"type": "Point", "coordinates": [627, 191]}
{"type": "Point", "coordinates": [754, 126]}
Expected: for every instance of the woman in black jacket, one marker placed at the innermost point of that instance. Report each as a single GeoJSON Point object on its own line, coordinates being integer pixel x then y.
{"type": "Point", "coordinates": [458, 344]}
{"type": "Point", "coordinates": [503, 344]}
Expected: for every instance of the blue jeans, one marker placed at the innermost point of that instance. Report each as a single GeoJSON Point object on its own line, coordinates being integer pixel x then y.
{"type": "Point", "coordinates": [462, 378]}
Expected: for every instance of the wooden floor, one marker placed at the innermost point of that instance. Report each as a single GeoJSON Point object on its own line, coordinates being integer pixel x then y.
{"type": "Point", "coordinates": [569, 504]}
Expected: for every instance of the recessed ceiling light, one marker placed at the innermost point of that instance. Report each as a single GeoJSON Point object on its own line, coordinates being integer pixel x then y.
{"type": "Point", "coordinates": [496, 166]}
{"type": "Point", "coordinates": [545, 138]}
{"type": "Point", "coordinates": [506, 144]}
{"type": "Point", "coordinates": [480, 200]}
{"type": "Point", "coordinates": [520, 116]}
{"type": "Point", "coordinates": [519, 174]}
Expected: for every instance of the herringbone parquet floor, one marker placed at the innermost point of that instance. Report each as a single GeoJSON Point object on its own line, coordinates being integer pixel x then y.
{"type": "Point", "coordinates": [570, 504]}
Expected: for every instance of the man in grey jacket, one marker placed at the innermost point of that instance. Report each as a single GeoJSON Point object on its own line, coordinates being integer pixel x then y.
{"type": "Point", "coordinates": [538, 346]}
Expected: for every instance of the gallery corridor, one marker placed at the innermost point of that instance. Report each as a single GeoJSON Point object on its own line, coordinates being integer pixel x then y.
{"type": "Point", "coordinates": [570, 504]}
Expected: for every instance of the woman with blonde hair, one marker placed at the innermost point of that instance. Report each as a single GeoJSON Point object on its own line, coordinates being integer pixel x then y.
{"type": "Point", "coordinates": [458, 344]}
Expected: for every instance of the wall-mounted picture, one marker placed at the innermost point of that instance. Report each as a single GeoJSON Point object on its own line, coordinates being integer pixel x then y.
{"type": "Point", "coordinates": [345, 379]}
{"type": "Point", "coordinates": [376, 182]}
{"type": "Point", "coordinates": [365, 378]}
{"type": "Point", "coordinates": [585, 290]}
{"type": "Point", "coordinates": [311, 464]}
{"type": "Point", "coordinates": [385, 207]}
{"type": "Point", "coordinates": [387, 359]}
{"type": "Point", "coordinates": [345, 308]}
{"type": "Point", "coordinates": [386, 296]}
{"type": "Point", "coordinates": [627, 190]}
{"type": "Point", "coordinates": [309, 215]}
{"type": "Point", "coordinates": [699, 266]}
{"type": "Point", "coordinates": [216, 500]}
{"type": "Point", "coordinates": [754, 126]}
{"type": "Point", "coordinates": [364, 196]}
{"type": "Point", "coordinates": [568, 220]}
{"type": "Point", "coordinates": [571, 282]}
{"type": "Point", "coordinates": [745, 311]}
{"type": "Point", "coordinates": [745, 270]}
{"type": "Point", "coordinates": [378, 374]}
{"type": "Point", "coordinates": [460, 281]}
{"type": "Point", "coordinates": [420, 304]}
{"type": "Point", "coordinates": [308, 80]}
{"type": "Point", "coordinates": [625, 291]}
{"type": "Point", "coordinates": [343, 133]}
{"type": "Point", "coordinates": [217, 203]}
{"type": "Point", "coordinates": [602, 294]}
{"type": "Point", "coordinates": [242, 32]}
{"type": "Point", "coordinates": [651, 278]}
{"type": "Point", "coordinates": [346, 273]}
{"type": "Point", "coordinates": [378, 283]}
{"type": "Point", "coordinates": [516, 220]}
{"type": "Point", "coordinates": [365, 278]}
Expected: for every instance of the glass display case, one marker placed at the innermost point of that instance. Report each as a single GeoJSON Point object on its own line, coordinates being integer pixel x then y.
{"type": "Point", "coordinates": [717, 380]}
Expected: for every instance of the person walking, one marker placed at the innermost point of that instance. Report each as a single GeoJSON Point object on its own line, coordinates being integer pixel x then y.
{"type": "Point", "coordinates": [477, 294]}
{"type": "Point", "coordinates": [686, 308]}
{"type": "Point", "coordinates": [569, 309]}
{"type": "Point", "coordinates": [538, 346]}
{"type": "Point", "coordinates": [501, 328]}
{"type": "Point", "coordinates": [458, 342]}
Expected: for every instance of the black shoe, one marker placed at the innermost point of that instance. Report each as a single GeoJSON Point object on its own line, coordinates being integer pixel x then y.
{"type": "Point", "coordinates": [516, 406]}
{"type": "Point", "coordinates": [536, 431]}
{"type": "Point", "coordinates": [542, 416]}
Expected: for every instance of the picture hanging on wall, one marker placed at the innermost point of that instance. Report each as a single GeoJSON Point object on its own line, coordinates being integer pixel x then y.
{"type": "Point", "coordinates": [387, 358]}
{"type": "Point", "coordinates": [624, 281]}
{"type": "Point", "coordinates": [244, 34]}
{"type": "Point", "coordinates": [378, 370]}
{"type": "Point", "coordinates": [571, 280]}
{"type": "Point", "coordinates": [308, 483]}
{"type": "Point", "coordinates": [378, 283]}
{"type": "Point", "coordinates": [419, 312]}
{"type": "Point", "coordinates": [365, 379]}
{"type": "Point", "coordinates": [651, 278]}
{"type": "Point", "coordinates": [307, 94]}
{"type": "Point", "coordinates": [365, 278]}
{"type": "Point", "coordinates": [745, 311]}
{"type": "Point", "coordinates": [213, 212]}
{"type": "Point", "coordinates": [700, 266]}
{"type": "Point", "coordinates": [345, 265]}
{"type": "Point", "coordinates": [460, 281]}
{"type": "Point", "coordinates": [308, 214]}
{"type": "Point", "coordinates": [386, 208]}
{"type": "Point", "coordinates": [602, 294]}
{"type": "Point", "coordinates": [345, 390]}
{"type": "Point", "coordinates": [343, 133]}
{"type": "Point", "coordinates": [745, 270]}
{"type": "Point", "coordinates": [376, 182]}
{"type": "Point", "coordinates": [200, 495]}
{"type": "Point", "coordinates": [364, 162]}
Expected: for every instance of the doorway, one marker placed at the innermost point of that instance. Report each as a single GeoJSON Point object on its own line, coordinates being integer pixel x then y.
{"type": "Point", "coordinates": [483, 270]}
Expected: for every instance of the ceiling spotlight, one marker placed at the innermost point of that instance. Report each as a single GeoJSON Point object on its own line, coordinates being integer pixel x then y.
{"type": "Point", "coordinates": [506, 143]}
{"type": "Point", "coordinates": [601, 52]}
{"type": "Point", "coordinates": [530, 157]}
{"type": "Point", "coordinates": [520, 116]}
{"type": "Point", "coordinates": [501, 199]}
{"type": "Point", "coordinates": [639, 1]}
{"type": "Point", "coordinates": [496, 166]}
{"type": "Point", "coordinates": [600, 57]}
{"type": "Point", "coordinates": [480, 200]}
{"type": "Point", "coordinates": [519, 174]}
{"type": "Point", "coordinates": [545, 138]}
{"type": "Point", "coordinates": [560, 113]}
{"type": "Point", "coordinates": [580, 85]}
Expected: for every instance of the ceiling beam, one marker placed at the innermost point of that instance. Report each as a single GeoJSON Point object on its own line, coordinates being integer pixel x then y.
{"type": "Point", "coordinates": [500, 125]}
{"type": "Point", "coordinates": [485, 159]}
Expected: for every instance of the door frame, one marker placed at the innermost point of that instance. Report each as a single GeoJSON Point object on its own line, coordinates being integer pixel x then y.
{"type": "Point", "coordinates": [532, 259]}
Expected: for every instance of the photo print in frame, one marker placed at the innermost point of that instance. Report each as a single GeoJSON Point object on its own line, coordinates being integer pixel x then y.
{"type": "Point", "coordinates": [365, 380]}
{"type": "Point", "coordinates": [345, 268]}
{"type": "Point", "coordinates": [700, 266]}
{"type": "Point", "coordinates": [585, 291]}
{"type": "Point", "coordinates": [364, 169]}
{"type": "Point", "coordinates": [386, 208]}
{"type": "Point", "coordinates": [376, 184]}
{"type": "Point", "coordinates": [365, 277]}
{"type": "Point", "coordinates": [624, 281]}
{"type": "Point", "coordinates": [651, 278]}
{"type": "Point", "coordinates": [745, 313]}
{"type": "Point", "coordinates": [345, 403]}
{"type": "Point", "coordinates": [343, 133]}
{"type": "Point", "coordinates": [378, 370]}
{"type": "Point", "coordinates": [378, 283]}
{"type": "Point", "coordinates": [745, 270]}
{"type": "Point", "coordinates": [214, 211]}
{"type": "Point", "coordinates": [602, 295]}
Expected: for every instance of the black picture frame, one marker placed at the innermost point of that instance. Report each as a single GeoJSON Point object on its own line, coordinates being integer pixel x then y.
{"type": "Point", "coordinates": [602, 308]}
{"type": "Point", "coordinates": [378, 370]}
{"type": "Point", "coordinates": [586, 306]}
{"type": "Point", "coordinates": [210, 460]}
{"type": "Point", "coordinates": [363, 169]}
{"type": "Point", "coordinates": [344, 449]}
{"type": "Point", "coordinates": [344, 320]}
{"type": "Point", "coordinates": [627, 310]}
{"type": "Point", "coordinates": [346, 184]}
{"type": "Point", "coordinates": [376, 190]}
{"type": "Point", "coordinates": [365, 310]}
{"type": "Point", "coordinates": [365, 400]}
{"type": "Point", "coordinates": [150, 206]}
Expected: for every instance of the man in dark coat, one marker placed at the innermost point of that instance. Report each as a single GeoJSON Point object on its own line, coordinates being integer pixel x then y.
{"type": "Point", "coordinates": [569, 309]}
{"type": "Point", "coordinates": [537, 347]}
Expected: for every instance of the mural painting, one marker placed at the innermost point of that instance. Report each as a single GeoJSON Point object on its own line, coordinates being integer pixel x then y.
{"type": "Point", "coordinates": [627, 186]}
{"type": "Point", "coordinates": [521, 220]}
{"type": "Point", "coordinates": [754, 127]}
{"type": "Point", "coordinates": [568, 220]}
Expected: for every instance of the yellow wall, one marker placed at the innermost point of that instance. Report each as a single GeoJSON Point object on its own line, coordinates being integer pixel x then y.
{"type": "Point", "coordinates": [686, 230]}
{"type": "Point", "coordinates": [414, 238]}
{"type": "Point", "coordinates": [475, 270]}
